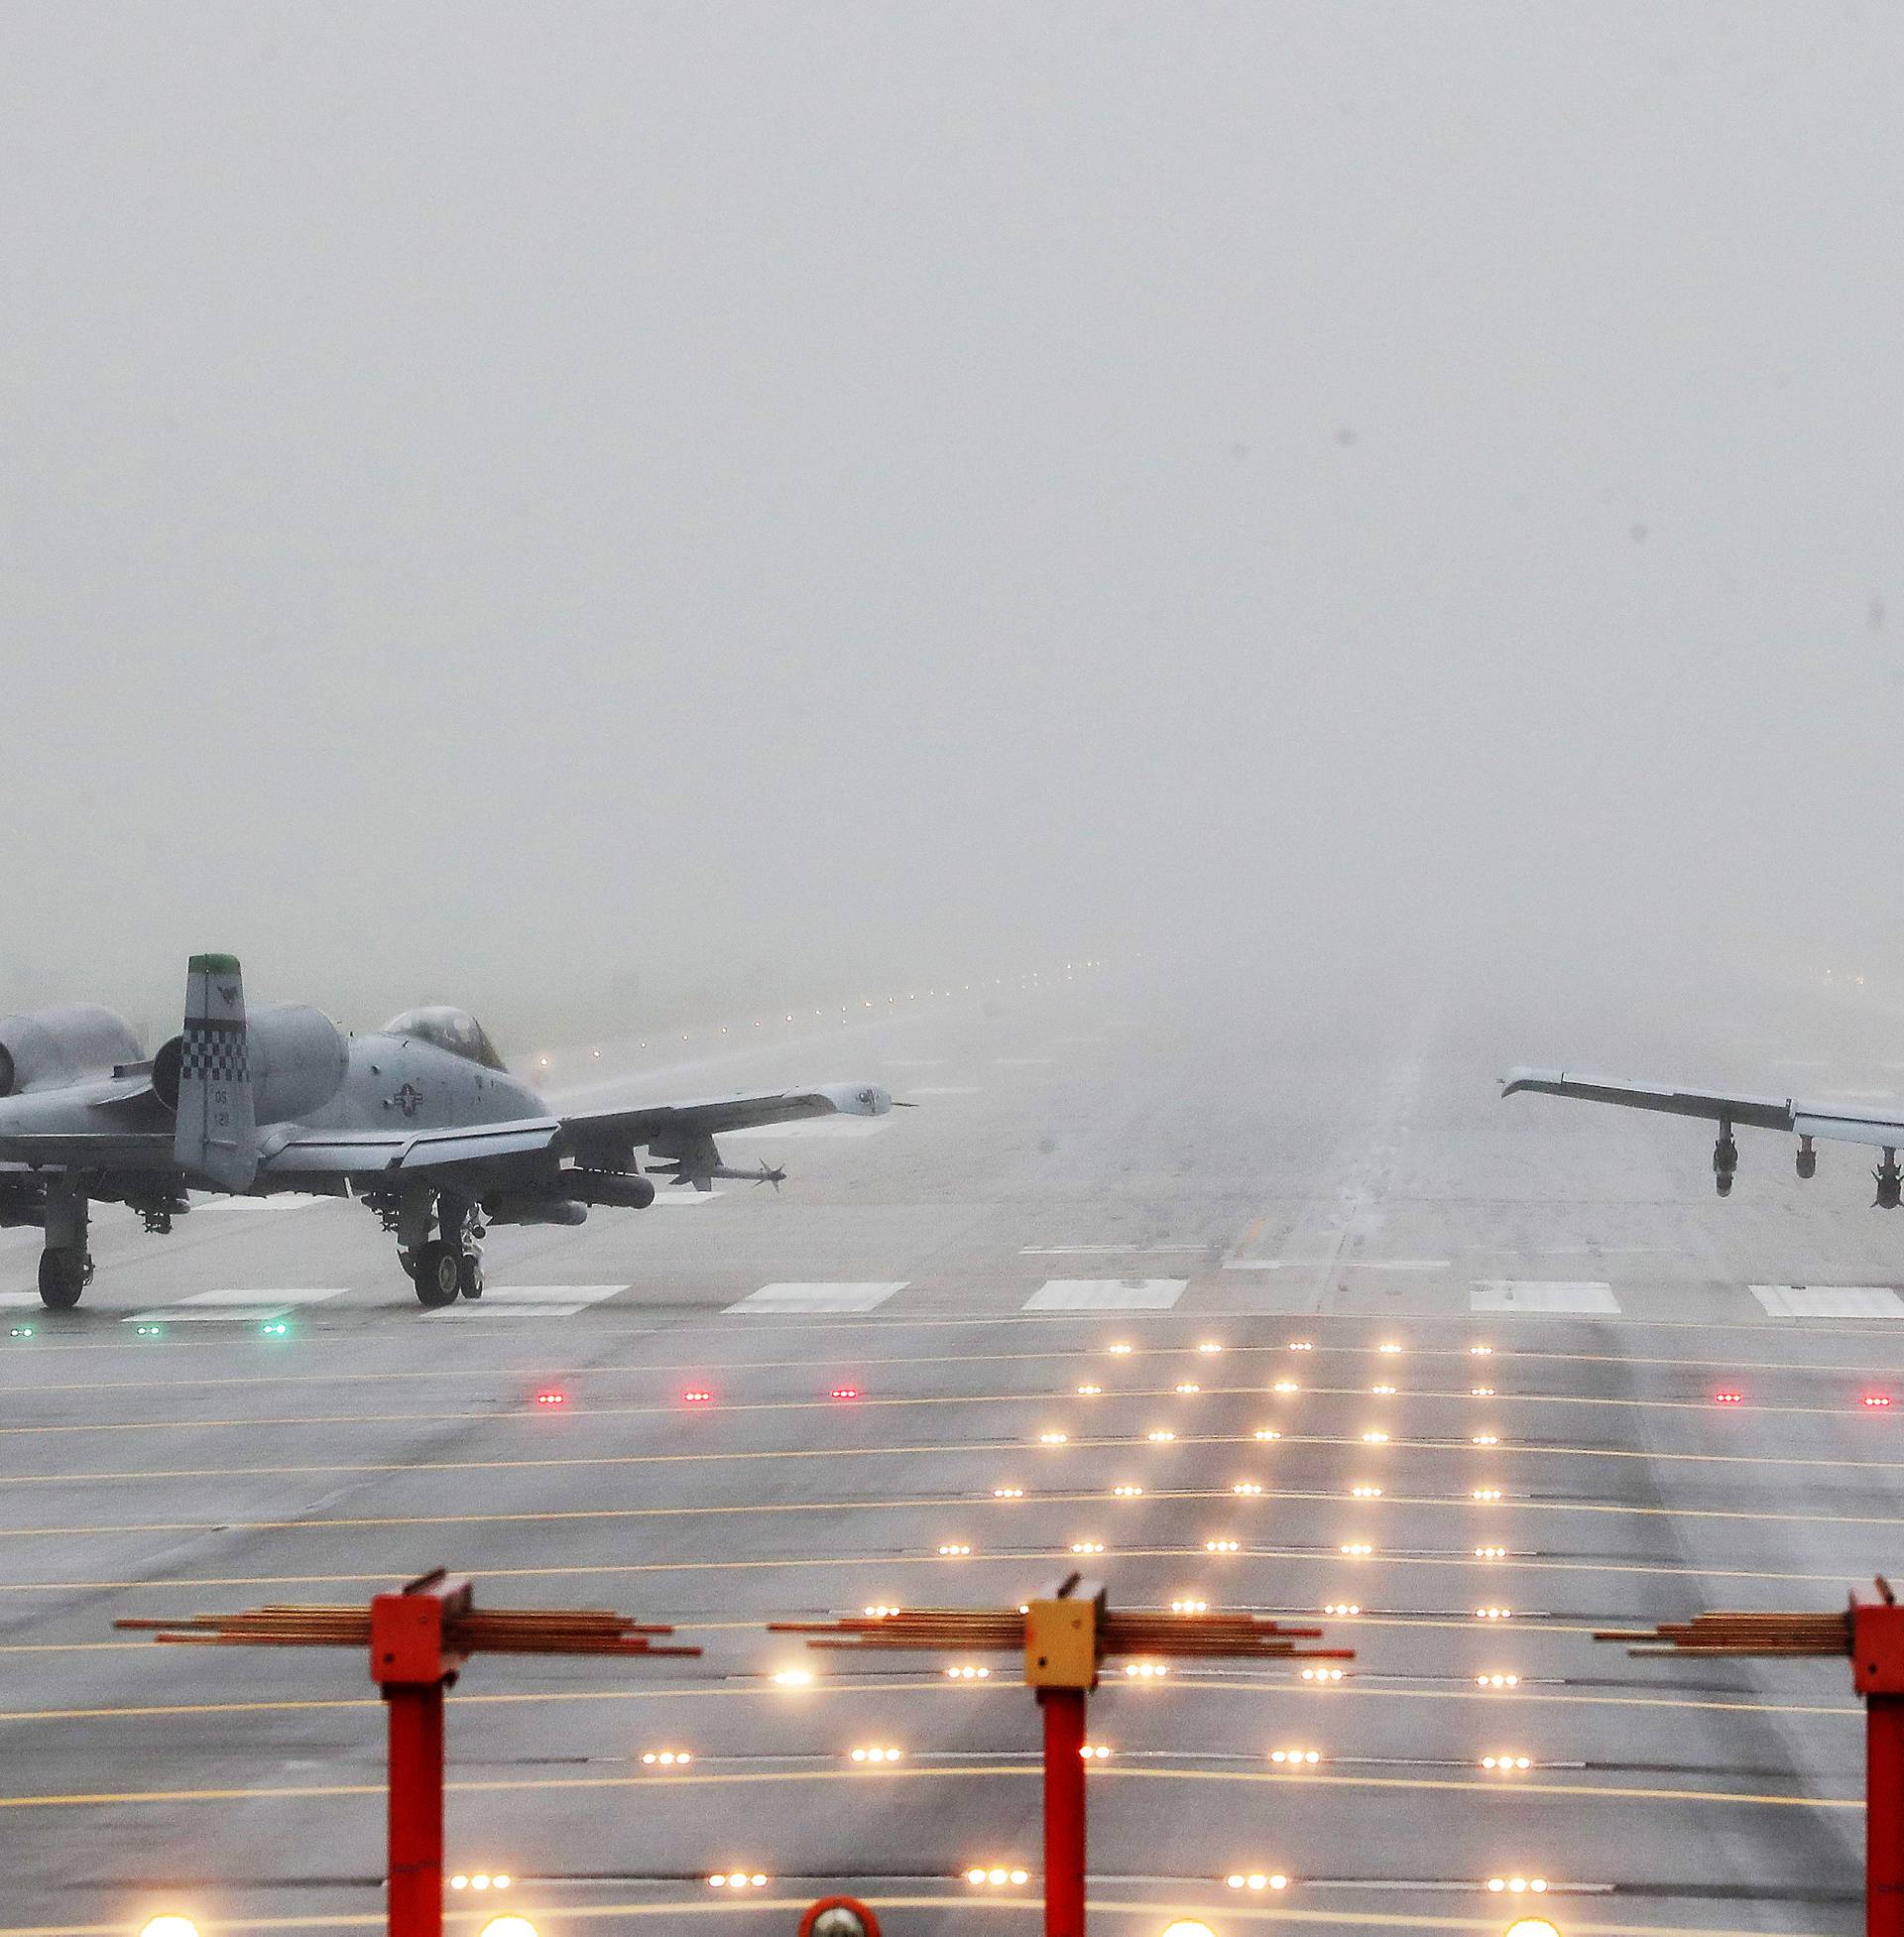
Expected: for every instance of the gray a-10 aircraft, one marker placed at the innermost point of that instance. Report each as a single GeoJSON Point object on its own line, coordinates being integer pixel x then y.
{"type": "Point", "coordinates": [1882, 1130]}
{"type": "Point", "coordinates": [420, 1121]}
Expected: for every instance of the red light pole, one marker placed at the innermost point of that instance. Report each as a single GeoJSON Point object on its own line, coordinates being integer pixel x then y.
{"type": "Point", "coordinates": [418, 1640]}
{"type": "Point", "coordinates": [1064, 1633]}
{"type": "Point", "coordinates": [1872, 1633]}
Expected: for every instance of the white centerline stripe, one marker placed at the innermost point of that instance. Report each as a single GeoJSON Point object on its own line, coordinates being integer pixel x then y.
{"type": "Point", "coordinates": [1334, 1264]}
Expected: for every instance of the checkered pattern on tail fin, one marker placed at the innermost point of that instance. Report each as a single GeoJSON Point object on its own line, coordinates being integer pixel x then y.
{"type": "Point", "coordinates": [215, 1141]}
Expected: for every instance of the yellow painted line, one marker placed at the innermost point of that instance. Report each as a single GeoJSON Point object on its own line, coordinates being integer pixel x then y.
{"type": "Point", "coordinates": [1027, 1771]}
{"type": "Point", "coordinates": [995, 1449]}
{"type": "Point", "coordinates": [650, 1367]}
{"type": "Point", "coordinates": [524, 1408]}
{"type": "Point", "coordinates": [889, 1560]}
{"type": "Point", "coordinates": [838, 1684]}
{"type": "Point", "coordinates": [1021, 1905]}
{"type": "Point", "coordinates": [949, 1503]}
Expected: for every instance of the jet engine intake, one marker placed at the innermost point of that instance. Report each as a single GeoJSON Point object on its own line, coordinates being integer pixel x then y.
{"type": "Point", "coordinates": [67, 1042]}
{"type": "Point", "coordinates": [296, 1056]}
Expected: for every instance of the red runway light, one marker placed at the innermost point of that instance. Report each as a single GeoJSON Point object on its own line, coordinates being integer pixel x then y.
{"type": "Point", "coordinates": [698, 1396]}
{"type": "Point", "coordinates": [846, 1392]}
{"type": "Point", "coordinates": [1878, 1400]}
{"type": "Point", "coordinates": [552, 1396]}
{"type": "Point", "coordinates": [1728, 1398]}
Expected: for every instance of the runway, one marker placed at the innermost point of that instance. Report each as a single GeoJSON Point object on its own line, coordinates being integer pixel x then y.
{"type": "Point", "coordinates": [1224, 1302]}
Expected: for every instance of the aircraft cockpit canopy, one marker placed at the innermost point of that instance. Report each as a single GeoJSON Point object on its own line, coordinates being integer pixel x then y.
{"type": "Point", "coordinates": [455, 1029]}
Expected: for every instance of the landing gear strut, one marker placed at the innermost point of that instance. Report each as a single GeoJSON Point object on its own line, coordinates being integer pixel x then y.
{"type": "Point", "coordinates": [66, 1268]}
{"type": "Point", "coordinates": [1807, 1158]}
{"type": "Point", "coordinates": [1724, 1161]}
{"type": "Point", "coordinates": [446, 1267]}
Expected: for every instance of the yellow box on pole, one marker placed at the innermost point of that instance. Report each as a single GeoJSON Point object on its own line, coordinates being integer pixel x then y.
{"type": "Point", "coordinates": [1061, 1636]}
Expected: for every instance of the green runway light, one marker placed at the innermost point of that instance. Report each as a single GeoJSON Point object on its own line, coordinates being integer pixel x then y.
{"type": "Point", "coordinates": [20, 1331]}
{"type": "Point", "coordinates": [276, 1328]}
{"type": "Point", "coordinates": [146, 1331]}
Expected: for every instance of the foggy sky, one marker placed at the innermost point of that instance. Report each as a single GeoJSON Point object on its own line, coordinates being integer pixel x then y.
{"type": "Point", "coordinates": [499, 498]}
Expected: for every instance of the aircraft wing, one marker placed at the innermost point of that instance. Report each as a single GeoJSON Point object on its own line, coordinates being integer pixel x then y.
{"type": "Point", "coordinates": [87, 1150]}
{"type": "Point", "coordinates": [527, 1147]}
{"type": "Point", "coordinates": [1759, 1112]}
{"type": "Point", "coordinates": [1833, 1121]}
{"type": "Point", "coordinates": [598, 1133]}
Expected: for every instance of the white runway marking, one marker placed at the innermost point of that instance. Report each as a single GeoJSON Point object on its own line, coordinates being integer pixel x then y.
{"type": "Point", "coordinates": [220, 1314]}
{"type": "Point", "coordinates": [1106, 1294]}
{"type": "Point", "coordinates": [232, 1308]}
{"type": "Point", "coordinates": [547, 1294]}
{"type": "Point", "coordinates": [1334, 1264]}
{"type": "Point", "coordinates": [817, 1126]}
{"type": "Point", "coordinates": [16, 1300]}
{"type": "Point", "coordinates": [1533, 1294]}
{"type": "Point", "coordinates": [285, 1200]}
{"type": "Point", "coordinates": [863, 1296]}
{"type": "Point", "coordinates": [1828, 1301]}
{"type": "Point", "coordinates": [944, 1089]}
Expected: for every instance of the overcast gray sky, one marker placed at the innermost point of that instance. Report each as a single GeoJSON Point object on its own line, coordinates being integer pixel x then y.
{"type": "Point", "coordinates": [498, 497]}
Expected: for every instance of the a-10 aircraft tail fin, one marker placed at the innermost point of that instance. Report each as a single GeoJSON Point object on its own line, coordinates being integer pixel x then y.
{"type": "Point", "coordinates": [215, 1141]}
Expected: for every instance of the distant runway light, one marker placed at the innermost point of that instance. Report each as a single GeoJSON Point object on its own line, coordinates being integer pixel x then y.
{"type": "Point", "coordinates": [1053, 1438]}
{"type": "Point", "coordinates": [552, 1396]}
{"type": "Point", "coordinates": [1187, 1927]}
{"type": "Point", "coordinates": [1382, 1392]}
{"type": "Point", "coordinates": [1507, 1763]}
{"type": "Point", "coordinates": [1375, 1437]}
{"type": "Point", "coordinates": [1189, 1607]}
{"type": "Point", "coordinates": [1531, 1927]}
{"type": "Point", "coordinates": [1188, 1386]}
{"type": "Point", "coordinates": [508, 1927]}
{"type": "Point", "coordinates": [1497, 1681]}
{"type": "Point", "coordinates": [1267, 1432]}
{"type": "Point", "coordinates": [1161, 1434]}
{"type": "Point", "coordinates": [1008, 1493]}
{"type": "Point", "coordinates": [1255, 1879]}
{"type": "Point", "coordinates": [968, 1671]}
{"type": "Point", "coordinates": [1088, 1391]}
{"type": "Point", "coordinates": [1322, 1674]}
{"type": "Point", "coordinates": [1209, 1346]}
{"type": "Point", "coordinates": [665, 1757]}
{"type": "Point", "coordinates": [1285, 1385]}
{"type": "Point", "coordinates": [1248, 1486]}
{"type": "Point", "coordinates": [1481, 1391]}
{"type": "Point", "coordinates": [954, 1549]}
{"type": "Point", "coordinates": [1127, 1492]}
{"type": "Point", "coordinates": [698, 1396]}
{"type": "Point", "coordinates": [845, 1393]}
{"type": "Point", "coordinates": [1121, 1350]}
{"type": "Point", "coordinates": [1302, 1345]}
{"type": "Point", "coordinates": [1481, 1351]}
{"type": "Point", "coordinates": [170, 1926]}
{"type": "Point", "coordinates": [1342, 1606]}
{"type": "Point", "coordinates": [793, 1677]}
{"type": "Point", "coordinates": [1729, 1398]}
{"type": "Point", "coordinates": [1487, 1439]}
{"type": "Point", "coordinates": [1878, 1400]}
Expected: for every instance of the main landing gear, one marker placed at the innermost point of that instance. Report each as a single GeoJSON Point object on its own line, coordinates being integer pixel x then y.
{"type": "Point", "coordinates": [1890, 1181]}
{"type": "Point", "coordinates": [65, 1266]}
{"type": "Point", "coordinates": [448, 1265]}
{"type": "Point", "coordinates": [1724, 1161]}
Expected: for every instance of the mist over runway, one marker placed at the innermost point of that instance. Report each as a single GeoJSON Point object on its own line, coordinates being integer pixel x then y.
{"type": "Point", "coordinates": [1309, 1291]}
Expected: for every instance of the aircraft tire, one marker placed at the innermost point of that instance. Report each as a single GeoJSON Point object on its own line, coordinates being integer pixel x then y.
{"type": "Point", "coordinates": [438, 1275]}
{"type": "Point", "coordinates": [63, 1277]}
{"type": "Point", "coordinates": [469, 1276]}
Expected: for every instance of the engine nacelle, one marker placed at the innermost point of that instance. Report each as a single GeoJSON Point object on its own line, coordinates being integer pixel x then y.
{"type": "Point", "coordinates": [297, 1056]}
{"type": "Point", "coordinates": [624, 1189]}
{"type": "Point", "coordinates": [527, 1207]}
{"type": "Point", "coordinates": [46, 1049]}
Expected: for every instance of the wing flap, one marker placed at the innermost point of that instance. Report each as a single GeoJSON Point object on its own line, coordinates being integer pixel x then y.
{"type": "Point", "coordinates": [365, 1153]}
{"type": "Point", "coordinates": [1881, 1132]}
